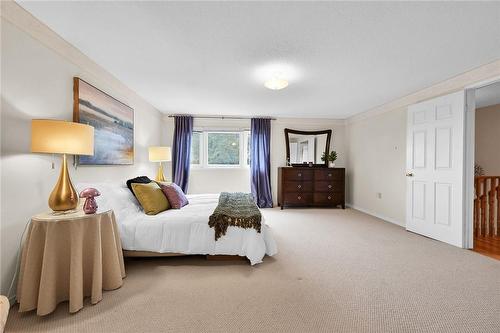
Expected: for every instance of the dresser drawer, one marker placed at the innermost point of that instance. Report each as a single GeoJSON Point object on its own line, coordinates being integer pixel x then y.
{"type": "Point", "coordinates": [329, 174]}
{"type": "Point", "coordinates": [297, 186]}
{"type": "Point", "coordinates": [328, 199]}
{"type": "Point", "coordinates": [298, 198]}
{"type": "Point", "coordinates": [329, 186]}
{"type": "Point", "coordinates": [311, 187]}
{"type": "Point", "coordinates": [297, 174]}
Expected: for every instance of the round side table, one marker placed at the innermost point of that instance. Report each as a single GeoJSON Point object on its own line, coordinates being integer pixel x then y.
{"type": "Point", "coordinates": [67, 257]}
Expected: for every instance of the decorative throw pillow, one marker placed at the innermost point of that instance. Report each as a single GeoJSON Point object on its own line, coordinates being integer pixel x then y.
{"type": "Point", "coordinates": [138, 180]}
{"type": "Point", "coordinates": [174, 194]}
{"type": "Point", "coordinates": [151, 198]}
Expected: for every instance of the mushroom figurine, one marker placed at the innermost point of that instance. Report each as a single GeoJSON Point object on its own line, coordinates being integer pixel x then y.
{"type": "Point", "coordinates": [90, 205]}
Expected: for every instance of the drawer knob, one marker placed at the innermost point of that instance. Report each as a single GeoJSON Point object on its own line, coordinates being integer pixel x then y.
{"type": "Point", "coordinates": [299, 186]}
{"type": "Point", "coordinates": [329, 197]}
{"type": "Point", "coordinates": [329, 175]}
{"type": "Point", "coordinates": [329, 186]}
{"type": "Point", "coordinates": [299, 174]}
{"type": "Point", "coordinates": [299, 197]}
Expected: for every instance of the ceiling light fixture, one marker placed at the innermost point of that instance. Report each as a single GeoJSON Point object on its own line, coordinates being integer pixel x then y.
{"type": "Point", "coordinates": [276, 75]}
{"type": "Point", "coordinates": [276, 83]}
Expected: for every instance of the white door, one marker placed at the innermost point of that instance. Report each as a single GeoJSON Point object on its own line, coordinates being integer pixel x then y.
{"type": "Point", "coordinates": [435, 168]}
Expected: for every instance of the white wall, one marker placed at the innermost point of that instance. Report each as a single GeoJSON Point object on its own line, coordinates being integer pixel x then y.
{"type": "Point", "coordinates": [216, 180]}
{"type": "Point", "coordinates": [377, 158]}
{"type": "Point", "coordinates": [376, 146]}
{"type": "Point", "coordinates": [488, 139]}
{"type": "Point", "coordinates": [37, 73]}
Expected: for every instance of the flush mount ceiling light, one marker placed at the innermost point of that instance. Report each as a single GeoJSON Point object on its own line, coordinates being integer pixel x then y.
{"type": "Point", "coordinates": [276, 83]}
{"type": "Point", "coordinates": [276, 75]}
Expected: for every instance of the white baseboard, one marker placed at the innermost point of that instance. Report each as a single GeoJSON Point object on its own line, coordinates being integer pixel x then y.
{"type": "Point", "coordinates": [382, 217]}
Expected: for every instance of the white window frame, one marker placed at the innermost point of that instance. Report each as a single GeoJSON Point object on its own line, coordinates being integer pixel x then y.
{"type": "Point", "coordinates": [244, 137]}
{"type": "Point", "coordinates": [199, 165]}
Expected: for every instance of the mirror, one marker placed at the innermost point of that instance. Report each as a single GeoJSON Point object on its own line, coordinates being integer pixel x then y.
{"type": "Point", "coordinates": [303, 147]}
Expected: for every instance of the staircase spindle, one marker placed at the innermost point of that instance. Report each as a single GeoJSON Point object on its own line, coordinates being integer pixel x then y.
{"type": "Point", "coordinates": [483, 207]}
{"type": "Point", "coordinates": [497, 224]}
{"type": "Point", "coordinates": [491, 206]}
{"type": "Point", "coordinates": [476, 206]}
{"type": "Point", "coordinates": [487, 206]}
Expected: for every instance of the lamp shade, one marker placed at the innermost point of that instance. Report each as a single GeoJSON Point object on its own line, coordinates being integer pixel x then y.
{"type": "Point", "coordinates": [61, 137]}
{"type": "Point", "coordinates": [160, 154]}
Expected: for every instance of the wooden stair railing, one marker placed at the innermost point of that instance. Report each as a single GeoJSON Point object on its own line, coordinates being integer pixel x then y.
{"type": "Point", "coordinates": [486, 205]}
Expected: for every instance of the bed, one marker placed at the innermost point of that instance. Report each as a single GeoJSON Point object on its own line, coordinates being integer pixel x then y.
{"type": "Point", "coordinates": [182, 231]}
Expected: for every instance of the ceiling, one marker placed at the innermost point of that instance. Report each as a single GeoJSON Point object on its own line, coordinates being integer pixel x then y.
{"type": "Point", "coordinates": [340, 58]}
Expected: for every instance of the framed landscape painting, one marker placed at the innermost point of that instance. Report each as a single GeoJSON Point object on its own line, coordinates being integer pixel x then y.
{"type": "Point", "coordinates": [113, 124]}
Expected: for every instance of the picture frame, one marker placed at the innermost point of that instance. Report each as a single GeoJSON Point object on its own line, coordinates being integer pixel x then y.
{"type": "Point", "coordinates": [113, 123]}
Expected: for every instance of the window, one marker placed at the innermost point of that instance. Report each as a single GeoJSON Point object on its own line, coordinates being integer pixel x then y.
{"type": "Point", "coordinates": [247, 146]}
{"type": "Point", "coordinates": [223, 148]}
{"type": "Point", "coordinates": [212, 149]}
{"type": "Point", "coordinates": [195, 148]}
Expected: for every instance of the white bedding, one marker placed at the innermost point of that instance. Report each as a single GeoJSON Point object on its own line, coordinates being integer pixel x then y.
{"type": "Point", "coordinates": [182, 230]}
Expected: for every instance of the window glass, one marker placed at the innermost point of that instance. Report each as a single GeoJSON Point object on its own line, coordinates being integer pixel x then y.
{"type": "Point", "coordinates": [223, 148]}
{"type": "Point", "coordinates": [249, 139]}
{"type": "Point", "coordinates": [195, 148]}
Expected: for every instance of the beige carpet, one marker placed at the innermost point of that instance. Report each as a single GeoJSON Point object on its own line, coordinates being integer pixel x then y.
{"type": "Point", "coordinates": [337, 271]}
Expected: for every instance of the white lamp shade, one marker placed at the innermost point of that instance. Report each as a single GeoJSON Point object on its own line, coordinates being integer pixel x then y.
{"type": "Point", "coordinates": [61, 137]}
{"type": "Point", "coordinates": [160, 154]}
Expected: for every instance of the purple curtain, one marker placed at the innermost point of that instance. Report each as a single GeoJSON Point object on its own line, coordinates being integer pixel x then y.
{"type": "Point", "coordinates": [260, 162]}
{"type": "Point", "coordinates": [181, 151]}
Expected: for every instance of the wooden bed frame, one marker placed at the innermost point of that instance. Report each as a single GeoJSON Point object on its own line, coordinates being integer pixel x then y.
{"type": "Point", "coordinates": [129, 253]}
{"type": "Point", "coordinates": [146, 254]}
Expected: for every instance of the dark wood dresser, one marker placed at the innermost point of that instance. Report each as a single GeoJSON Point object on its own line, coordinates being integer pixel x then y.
{"type": "Point", "coordinates": [311, 187]}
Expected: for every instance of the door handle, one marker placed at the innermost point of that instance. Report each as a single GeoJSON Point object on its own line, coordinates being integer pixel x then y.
{"type": "Point", "coordinates": [409, 174]}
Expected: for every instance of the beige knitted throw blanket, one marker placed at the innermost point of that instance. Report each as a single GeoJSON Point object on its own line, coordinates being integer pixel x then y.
{"type": "Point", "coordinates": [235, 209]}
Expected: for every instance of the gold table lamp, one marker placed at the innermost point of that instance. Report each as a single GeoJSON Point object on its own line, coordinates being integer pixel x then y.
{"type": "Point", "coordinates": [62, 137]}
{"type": "Point", "coordinates": [160, 154]}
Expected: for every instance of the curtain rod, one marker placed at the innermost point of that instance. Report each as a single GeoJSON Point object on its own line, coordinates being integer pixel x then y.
{"type": "Point", "coordinates": [220, 117]}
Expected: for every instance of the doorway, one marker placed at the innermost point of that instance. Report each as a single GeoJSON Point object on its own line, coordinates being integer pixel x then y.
{"type": "Point", "coordinates": [442, 202]}
{"type": "Point", "coordinates": [435, 154]}
{"type": "Point", "coordinates": [486, 202]}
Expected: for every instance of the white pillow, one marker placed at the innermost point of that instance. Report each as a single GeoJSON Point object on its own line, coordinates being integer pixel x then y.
{"type": "Point", "coordinates": [114, 196]}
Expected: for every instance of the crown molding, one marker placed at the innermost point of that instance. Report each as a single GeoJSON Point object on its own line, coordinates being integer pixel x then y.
{"type": "Point", "coordinates": [456, 83]}
{"type": "Point", "coordinates": [278, 120]}
{"type": "Point", "coordinates": [18, 16]}
{"type": "Point", "coordinates": [88, 69]}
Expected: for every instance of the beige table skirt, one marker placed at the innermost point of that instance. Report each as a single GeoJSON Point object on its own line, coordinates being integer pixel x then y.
{"type": "Point", "coordinates": [69, 257]}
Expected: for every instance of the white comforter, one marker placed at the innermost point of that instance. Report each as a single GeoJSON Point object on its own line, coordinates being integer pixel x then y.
{"type": "Point", "coordinates": [182, 230]}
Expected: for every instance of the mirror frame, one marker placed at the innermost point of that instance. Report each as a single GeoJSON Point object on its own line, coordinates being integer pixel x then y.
{"type": "Point", "coordinates": [327, 147]}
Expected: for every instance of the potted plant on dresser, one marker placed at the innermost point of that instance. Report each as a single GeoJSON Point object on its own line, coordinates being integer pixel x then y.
{"type": "Point", "coordinates": [330, 158]}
